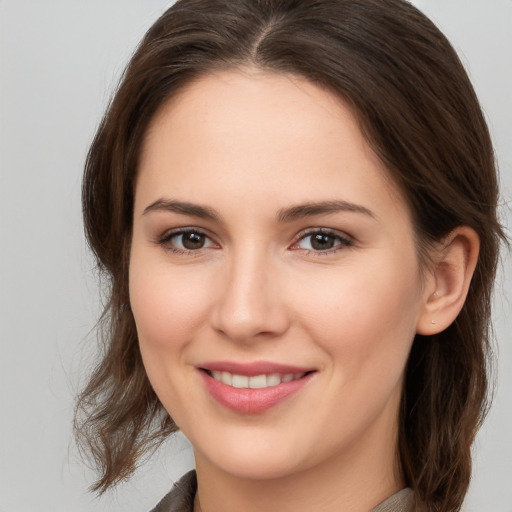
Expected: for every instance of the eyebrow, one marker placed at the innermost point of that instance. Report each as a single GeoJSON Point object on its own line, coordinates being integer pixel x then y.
{"type": "Point", "coordinates": [285, 215]}
{"type": "Point", "coordinates": [183, 207]}
{"type": "Point", "coordinates": [310, 209]}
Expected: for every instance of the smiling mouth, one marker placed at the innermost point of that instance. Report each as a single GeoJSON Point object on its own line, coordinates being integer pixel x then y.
{"type": "Point", "coordinates": [256, 381]}
{"type": "Point", "coordinates": [253, 388]}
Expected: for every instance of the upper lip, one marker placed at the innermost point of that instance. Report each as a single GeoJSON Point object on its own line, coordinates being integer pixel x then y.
{"type": "Point", "coordinates": [254, 368]}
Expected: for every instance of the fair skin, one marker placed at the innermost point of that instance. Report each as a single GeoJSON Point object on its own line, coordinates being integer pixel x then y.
{"type": "Point", "coordinates": [298, 250]}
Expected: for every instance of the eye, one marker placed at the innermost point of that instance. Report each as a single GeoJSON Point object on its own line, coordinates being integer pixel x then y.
{"type": "Point", "coordinates": [186, 240]}
{"type": "Point", "coordinates": [322, 240]}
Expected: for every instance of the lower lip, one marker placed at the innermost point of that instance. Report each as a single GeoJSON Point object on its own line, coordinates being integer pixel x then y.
{"type": "Point", "coordinates": [252, 401]}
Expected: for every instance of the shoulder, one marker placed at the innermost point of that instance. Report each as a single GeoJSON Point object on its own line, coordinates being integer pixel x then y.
{"type": "Point", "coordinates": [181, 496]}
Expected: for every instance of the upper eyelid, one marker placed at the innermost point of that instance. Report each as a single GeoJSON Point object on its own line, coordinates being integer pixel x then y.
{"type": "Point", "coordinates": [164, 240]}
{"type": "Point", "coordinates": [328, 231]}
{"type": "Point", "coordinates": [346, 240]}
{"type": "Point", "coordinates": [168, 234]}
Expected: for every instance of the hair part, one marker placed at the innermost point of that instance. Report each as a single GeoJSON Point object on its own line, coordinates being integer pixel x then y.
{"type": "Point", "coordinates": [419, 113]}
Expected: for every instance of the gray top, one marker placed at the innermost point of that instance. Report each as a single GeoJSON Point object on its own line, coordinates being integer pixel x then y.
{"type": "Point", "coordinates": [400, 502]}
{"type": "Point", "coordinates": [181, 498]}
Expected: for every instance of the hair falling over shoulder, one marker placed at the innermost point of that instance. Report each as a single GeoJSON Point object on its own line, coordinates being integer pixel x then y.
{"type": "Point", "coordinates": [419, 113]}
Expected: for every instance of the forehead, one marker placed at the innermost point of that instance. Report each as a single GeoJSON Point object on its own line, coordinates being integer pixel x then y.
{"type": "Point", "coordinates": [247, 101]}
{"type": "Point", "coordinates": [251, 131]}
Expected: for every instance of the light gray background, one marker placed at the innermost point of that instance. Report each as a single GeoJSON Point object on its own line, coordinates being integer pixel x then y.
{"type": "Point", "coordinates": [59, 61]}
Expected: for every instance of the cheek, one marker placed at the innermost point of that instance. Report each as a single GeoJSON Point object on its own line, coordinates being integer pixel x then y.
{"type": "Point", "coordinates": [168, 307]}
{"type": "Point", "coordinates": [365, 315]}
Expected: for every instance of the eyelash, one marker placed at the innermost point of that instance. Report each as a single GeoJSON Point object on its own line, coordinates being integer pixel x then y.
{"type": "Point", "coordinates": [165, 241]}
{"type": "Point", "coordinates": [344, 241]}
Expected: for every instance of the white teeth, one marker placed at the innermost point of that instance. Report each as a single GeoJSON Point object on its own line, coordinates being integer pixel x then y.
{"type": "Point", "coordinates": [274, 379]}
{"type": "Point", "coordinates": [240, 381]}
{"type": "Point", "coordinates": [227, 378]}
{"type": "Point", "coordinates": [256, 381]}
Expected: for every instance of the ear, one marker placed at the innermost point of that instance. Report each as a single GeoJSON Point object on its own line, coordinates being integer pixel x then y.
{"type": "Point", "coordinates": [448, 280]}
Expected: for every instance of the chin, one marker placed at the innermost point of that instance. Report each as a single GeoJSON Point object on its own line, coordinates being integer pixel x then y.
{"type": "Point", "coordinates": [254, 462]}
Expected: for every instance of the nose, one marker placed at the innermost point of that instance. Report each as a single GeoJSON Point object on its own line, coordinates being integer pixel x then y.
{"type": "Point", "coordinates": [250, 304]}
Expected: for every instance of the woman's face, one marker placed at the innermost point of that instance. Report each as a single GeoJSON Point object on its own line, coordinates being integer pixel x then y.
{"type": "Point", "coordinates": [274, 278]}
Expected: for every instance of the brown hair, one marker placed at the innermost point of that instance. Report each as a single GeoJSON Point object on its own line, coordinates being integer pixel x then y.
{"type": "Point", "coordinates": [419, 113]}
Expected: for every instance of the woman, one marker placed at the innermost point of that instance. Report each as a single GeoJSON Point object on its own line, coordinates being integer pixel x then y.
{"type": "Point", "coordinates": [295, 204]}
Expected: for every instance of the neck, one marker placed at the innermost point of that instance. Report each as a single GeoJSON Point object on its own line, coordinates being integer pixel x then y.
{"type": "Point", "coordinates": [357, 481]}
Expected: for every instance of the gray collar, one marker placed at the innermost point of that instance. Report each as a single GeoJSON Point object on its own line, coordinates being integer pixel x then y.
{"type": "Point", "coordinates": [400, 502]}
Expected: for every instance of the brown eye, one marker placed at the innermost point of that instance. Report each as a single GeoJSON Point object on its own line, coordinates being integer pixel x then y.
{"type": "Point", "coordinates": [191, 241]}
{"type": "Point", "coordinates": [323, 241]}
{"type": "Point", "coordinates": [184, 241]}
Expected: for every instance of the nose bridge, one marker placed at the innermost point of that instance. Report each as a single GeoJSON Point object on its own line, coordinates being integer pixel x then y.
{"type": "Point", "coordinates": [250, 303]}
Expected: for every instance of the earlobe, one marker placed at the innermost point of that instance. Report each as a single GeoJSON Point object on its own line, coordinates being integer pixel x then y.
{"type": "Point", "coordinates": [454, 264]}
